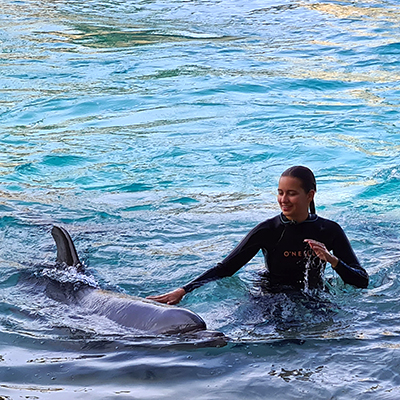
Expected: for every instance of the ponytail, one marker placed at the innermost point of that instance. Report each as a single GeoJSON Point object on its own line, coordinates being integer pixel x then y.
{"type": "Point", "coordinates": [312, 207]}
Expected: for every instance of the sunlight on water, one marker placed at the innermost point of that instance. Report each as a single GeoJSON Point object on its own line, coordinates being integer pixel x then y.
{"type": "Point", "coordinates": [156, 132]}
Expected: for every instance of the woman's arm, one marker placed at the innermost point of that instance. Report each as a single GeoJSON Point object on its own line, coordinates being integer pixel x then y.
{"type": "Point", "coordinates": [240, 256]}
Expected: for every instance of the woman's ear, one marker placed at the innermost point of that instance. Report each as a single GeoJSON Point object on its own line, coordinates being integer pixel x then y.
{"type": "Point", "coordinates": [310, 195]}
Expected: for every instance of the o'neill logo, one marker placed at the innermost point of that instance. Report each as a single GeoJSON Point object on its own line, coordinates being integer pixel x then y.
{"type": "Point", "coordinates": [297, 253]}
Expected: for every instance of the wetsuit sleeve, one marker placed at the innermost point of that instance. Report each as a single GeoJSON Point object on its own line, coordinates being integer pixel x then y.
{"type": "Point", "coordinates": [240, 256]}
{"type": "Point", "coordinates": [348, 268]}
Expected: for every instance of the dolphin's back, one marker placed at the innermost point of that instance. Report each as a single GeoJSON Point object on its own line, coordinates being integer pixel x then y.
{"type": "Point", "coordinates": [144, 315]}
{"type": "Point", "coordinates": [140, 314]}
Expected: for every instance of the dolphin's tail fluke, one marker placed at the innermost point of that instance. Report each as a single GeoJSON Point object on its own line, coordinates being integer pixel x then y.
{"type": "Point", "coordinates": [66, 252]}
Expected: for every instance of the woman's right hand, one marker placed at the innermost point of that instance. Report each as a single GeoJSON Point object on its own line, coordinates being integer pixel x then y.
{"type": "Point", "coordinates": [170, 298]}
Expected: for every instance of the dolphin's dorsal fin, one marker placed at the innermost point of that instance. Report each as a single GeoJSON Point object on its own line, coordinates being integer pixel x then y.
{"type": "Point", "coordinates": [66, 252]}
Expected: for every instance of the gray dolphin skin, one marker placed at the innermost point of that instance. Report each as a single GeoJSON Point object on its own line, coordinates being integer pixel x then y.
{"type": "Point", "coordinates": [66, 252]}
{"type": "Point", "coordinates": [144, 315]}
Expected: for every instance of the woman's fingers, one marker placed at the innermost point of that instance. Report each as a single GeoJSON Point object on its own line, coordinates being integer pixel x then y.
{"type": "Point", "coordinates": [316, 245]}
{"type": "Point", "coordinates": [319, 249]}
{"type": "Point", "coordinates": [160, 299]}
{"type": "Point", "coordinates": [322, 252]}
{"type": "Point", "coordinates": [170, 298]}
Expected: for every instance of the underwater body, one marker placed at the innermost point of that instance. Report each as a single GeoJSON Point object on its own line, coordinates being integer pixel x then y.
{"type": "Point", "coordinates": [155, 133]}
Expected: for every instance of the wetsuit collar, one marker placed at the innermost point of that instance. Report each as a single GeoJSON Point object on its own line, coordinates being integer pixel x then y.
{"type": "Point", "coordinates": [310, 218]}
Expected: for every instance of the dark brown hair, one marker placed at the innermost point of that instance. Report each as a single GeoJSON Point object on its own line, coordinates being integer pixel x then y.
{"type": "Point", "coordinates": [307, 179]}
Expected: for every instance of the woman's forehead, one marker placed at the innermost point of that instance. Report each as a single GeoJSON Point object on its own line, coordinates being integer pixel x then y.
{"type": "Point", "coordinates": [289, 181]}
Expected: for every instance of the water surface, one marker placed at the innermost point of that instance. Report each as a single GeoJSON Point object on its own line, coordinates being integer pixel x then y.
{"type": "Point", "coordinates": [155, 132]}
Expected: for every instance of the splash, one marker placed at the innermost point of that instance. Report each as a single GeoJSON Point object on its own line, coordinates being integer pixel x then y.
{"type": "Point", "coordinates": [312, 264]}
{"type": "Point", "coordinates": [67, 274]}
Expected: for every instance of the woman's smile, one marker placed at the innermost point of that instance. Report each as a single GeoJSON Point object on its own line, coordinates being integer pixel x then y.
{"type": "Point", "coordinates": [292, 198]}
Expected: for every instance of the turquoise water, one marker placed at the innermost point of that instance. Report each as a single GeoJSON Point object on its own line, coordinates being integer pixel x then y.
{"type": "Point", "coordinates": [155, 132]}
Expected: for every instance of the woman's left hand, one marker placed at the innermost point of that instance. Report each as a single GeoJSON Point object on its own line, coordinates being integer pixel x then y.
{"type": "Point", "coordinates": [322, 252]}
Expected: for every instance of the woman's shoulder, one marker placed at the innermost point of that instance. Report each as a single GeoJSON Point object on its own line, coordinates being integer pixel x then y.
{"type": "Point", "coordinates": [264, 229]}
{"type": "Point", "coordinates": [269, 223]}
{"type": "Point", "coordinates": [328, 224]}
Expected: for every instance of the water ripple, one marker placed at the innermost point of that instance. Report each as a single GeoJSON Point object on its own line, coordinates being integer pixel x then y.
{"type": "Point", "coordinates": [156, 133]}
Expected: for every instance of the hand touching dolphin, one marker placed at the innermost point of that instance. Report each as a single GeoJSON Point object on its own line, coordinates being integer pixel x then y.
{"type": "Point", "coordinates": [144, 315]}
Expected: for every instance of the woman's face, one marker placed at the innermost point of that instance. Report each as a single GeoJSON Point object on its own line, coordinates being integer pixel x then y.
{"type": "Point", "coordinates": [293, 199]}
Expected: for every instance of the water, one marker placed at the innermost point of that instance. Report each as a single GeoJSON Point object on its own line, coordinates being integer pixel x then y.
{"type": "Point", "coordinates": [155, 132]}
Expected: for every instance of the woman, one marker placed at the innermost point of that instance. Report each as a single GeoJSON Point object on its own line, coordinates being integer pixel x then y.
{"type": "Point", "coordinates": [296, 244]}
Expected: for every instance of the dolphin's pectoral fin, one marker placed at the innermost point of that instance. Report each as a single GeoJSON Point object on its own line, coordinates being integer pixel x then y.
{"type": "Point", "coordinates": [66, 252]}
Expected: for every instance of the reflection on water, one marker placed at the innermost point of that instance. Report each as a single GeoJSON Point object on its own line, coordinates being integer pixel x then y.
{"type": "Point", "coordinates": [156, 131]}
{"type": "Point", "coordinates": [93, 36]}
{"type": "Point", "coordinates": [375, 12]}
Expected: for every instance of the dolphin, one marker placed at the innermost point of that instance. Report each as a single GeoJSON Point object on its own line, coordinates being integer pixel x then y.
{"type": "Point", "coordinates": [130, 311]}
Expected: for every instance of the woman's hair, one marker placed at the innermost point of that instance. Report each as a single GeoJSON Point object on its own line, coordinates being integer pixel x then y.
{"type": "Point", "coordinates": [307, 179]}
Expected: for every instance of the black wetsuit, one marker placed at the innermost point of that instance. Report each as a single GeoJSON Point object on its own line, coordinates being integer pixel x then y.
{"type": "Point", "coordinates": [287, 255]}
